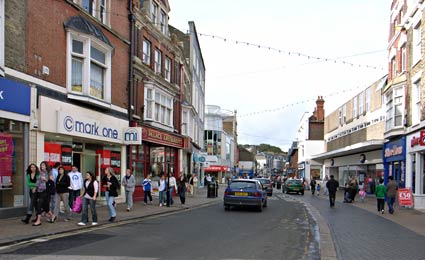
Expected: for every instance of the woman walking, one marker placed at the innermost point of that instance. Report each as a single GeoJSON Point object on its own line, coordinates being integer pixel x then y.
{"type": "Point", "coordinates": [43, 199]}
{"type": "Point", "coordinates": [31, 179]}
{"type": "Point", "coordinates": [181, 188]}
{"type": "Point", "coordinates": [62, 193]}
{"type": "Point", "coordinates": [162, 190]}
{"type": "Point", "coordinates": [91, 188]}
{"type": "Point", "coordinates": [111, 184]}
{"type": "Point", "coordinates": [129, 183]}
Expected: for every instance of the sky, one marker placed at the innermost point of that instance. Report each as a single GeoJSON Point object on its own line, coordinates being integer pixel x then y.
{"type": "Point", "coordinates": [271, 88]}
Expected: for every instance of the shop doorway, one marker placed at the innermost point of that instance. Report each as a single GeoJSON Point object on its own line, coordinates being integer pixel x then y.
{"type": "Point", "coordinates": [88, 161]}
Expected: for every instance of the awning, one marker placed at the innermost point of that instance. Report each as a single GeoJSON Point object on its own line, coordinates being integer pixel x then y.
{"type": "Point", "coordinates": [216, 168]}
{"type": "Point", "coordinates": [351, 149]}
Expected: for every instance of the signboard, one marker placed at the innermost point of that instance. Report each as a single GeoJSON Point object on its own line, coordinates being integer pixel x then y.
{"type": "Point", "coordinates": [132, 135]}
{"type": "Point", "coordinates": [405, 197]}
{"type": "Point", "coordinates": [160, 137]}
{"type": "Point", "coordinates": [52, 153]}
{"type": "Point", "coordinates": [7, 149]}
{"type": "Point", "coordinates": [10, 93]}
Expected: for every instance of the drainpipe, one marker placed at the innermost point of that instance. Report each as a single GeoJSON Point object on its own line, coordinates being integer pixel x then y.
{"type": "Point", "coordinates": [131, 19]}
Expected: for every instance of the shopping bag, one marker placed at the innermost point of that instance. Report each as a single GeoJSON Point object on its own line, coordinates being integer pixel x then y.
{"type": "Point", "coordinates": [78, 205]}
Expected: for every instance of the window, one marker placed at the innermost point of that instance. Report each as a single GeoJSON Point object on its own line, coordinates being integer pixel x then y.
{"type": "Point", "coordinates": [2, 23]}
{"type": "Point", "coordinates": [146, 52]}
{"type": "Point", "coordinates": [163, 24]}
{"type": "Point", "coordinates": [394, 108]}
{"type": "Point", "coordinates": [361, 103]}
{"type": "Point", "coordinates": [393, 68]}
{"type": "Point", "coordinates": [97, 8]}
{"type": "Point", "coordinates": [355, 107]}
{"type": "Point", "coordinates": [344, 114]}
{"type": "Point", "coordinates": [416, 44]}
{"type": "Point", "coordinates": [416, 102]}
{"type": "Point", "coordinates": [167, 69]}
{"type": "Point", "coordinates": [368, 100]}
{"type": "Point", "coordinates": [90, 68]}
{"type": "Point", "coordinates": [154, 10]}
{"type": "Point", "coordinates": [158, 61]}
{"type": "Point", "coordinates": [403, 58]}
{"type": "Point", "coordinates": [184, 122]}
{"type": "Point", "coordinates": [159, 106]}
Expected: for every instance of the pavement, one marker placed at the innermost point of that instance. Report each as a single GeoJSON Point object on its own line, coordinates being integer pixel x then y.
{"type": "Point", "coordinates": [332, 241]}
{"type": "Point", "coordinates": [13, 231]}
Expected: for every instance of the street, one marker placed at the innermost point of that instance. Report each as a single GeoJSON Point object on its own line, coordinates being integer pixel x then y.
{"type": "Point", "coordinates": [284, 230]}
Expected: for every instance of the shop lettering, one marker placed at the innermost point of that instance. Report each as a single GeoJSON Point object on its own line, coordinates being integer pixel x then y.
{"type": "Point", "coordinates": [418, 140]}
{"type": "Point", "coordinates": [89, 128]}
{"type": "Point", "coordinates": [163, 137]}
{"type": "Point", "coordinates": [1, 94]}
{"type": "Point", "coordinates": [397, 150]}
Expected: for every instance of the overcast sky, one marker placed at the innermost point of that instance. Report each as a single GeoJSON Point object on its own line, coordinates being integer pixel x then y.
{"type": "Point", "coordinates": [271, 90]}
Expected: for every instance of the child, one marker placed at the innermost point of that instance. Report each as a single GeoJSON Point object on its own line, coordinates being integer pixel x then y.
{"type": "Point", "coordinates": [318, 189]}
{"type": "Point", "coordinates": [362, 195]}
{"type": "Point", "coordinates": [381, 192]}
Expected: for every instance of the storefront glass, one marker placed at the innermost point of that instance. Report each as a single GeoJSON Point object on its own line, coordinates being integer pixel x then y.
{"type": "Point", "coordinates": [12, 169]}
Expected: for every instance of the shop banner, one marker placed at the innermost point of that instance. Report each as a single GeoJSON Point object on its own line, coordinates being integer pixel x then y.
{"type": "Point", "coordinates": [405, 197]}
{"type": "Point", "coordinates": [15, 97]}
{"type": "Point", "coordinates": [52, 153]}
{"type": "Point", "coordinates": [6, 158]}
{"type": "Point", "coordinates": [66, 159]}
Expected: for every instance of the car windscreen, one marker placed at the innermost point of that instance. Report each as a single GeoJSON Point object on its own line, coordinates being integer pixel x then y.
{"type": "Point", "coordinates": [242, 185]}
{"type": "Point", "coordinates": [264, 181]}
{"type": "Point", "coordinates": [295, 182]}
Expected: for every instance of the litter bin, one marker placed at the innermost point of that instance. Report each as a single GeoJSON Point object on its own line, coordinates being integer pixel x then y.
{"type": "Point", "coordinates": [212, 190]}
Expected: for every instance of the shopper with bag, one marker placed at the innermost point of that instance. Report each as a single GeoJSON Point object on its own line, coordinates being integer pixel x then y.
{"type": "Point", "coordinates": [62, 192]}
{"type": "Point", "coordinates": [91, 188]}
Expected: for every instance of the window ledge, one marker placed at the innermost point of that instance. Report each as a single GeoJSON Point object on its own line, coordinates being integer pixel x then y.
{"type": "Point", "coordinates": [90, 100]}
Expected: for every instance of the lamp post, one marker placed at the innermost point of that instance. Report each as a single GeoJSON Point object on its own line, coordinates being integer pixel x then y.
{"type": "Point", "coordinates": [168, 188]}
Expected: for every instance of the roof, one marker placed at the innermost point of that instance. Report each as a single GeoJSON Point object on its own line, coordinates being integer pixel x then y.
{"type": "Point", "coordinates": [81, 24]}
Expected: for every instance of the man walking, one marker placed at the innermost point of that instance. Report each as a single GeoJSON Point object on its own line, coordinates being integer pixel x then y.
{"type": "Point", "coordinates": [392, 188]}
{"type": "Point", "coordinates": [332, 186]}
{"type": "Point", "coordinates": [76, 185]}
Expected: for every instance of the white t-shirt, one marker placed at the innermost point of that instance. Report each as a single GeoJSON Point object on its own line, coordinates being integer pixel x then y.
{"type": "Point", "coordinates": [76, 180]}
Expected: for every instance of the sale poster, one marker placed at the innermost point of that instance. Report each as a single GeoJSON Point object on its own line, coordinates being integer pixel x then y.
{"type": "Point", "coordinates": [6, 158]}
{"type": "Point", "coordinates": [405, 197]}
{"type": "Point", "coordinates": [52, 153]}
{"type": "Point", "coordinates": [66, 157]}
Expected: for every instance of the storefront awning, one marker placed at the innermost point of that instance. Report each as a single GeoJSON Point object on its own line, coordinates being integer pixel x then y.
{"type": "Point", "coordinates": [351, 149]}
{"type": "Point", "coordinates": [216, 168]}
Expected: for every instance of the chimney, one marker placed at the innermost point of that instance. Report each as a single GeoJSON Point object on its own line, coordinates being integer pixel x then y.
{"type": "Point", "coordinates": [320, 108]}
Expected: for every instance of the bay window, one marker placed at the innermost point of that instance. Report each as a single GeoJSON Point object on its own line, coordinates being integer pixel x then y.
{"type": "Point", "coordinates": [159, 106]}
{"type": "Point", "coordinates": [394, 108]}
{"type": "Point", "coordinates": [89, 70]}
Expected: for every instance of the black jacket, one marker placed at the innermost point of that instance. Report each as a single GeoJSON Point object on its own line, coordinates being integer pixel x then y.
{"type": "Point", "coordinates": [332, 185]}
{"type": "Point", "coordinates": [63, 183]}
{"type": "Point", "coordinates": [113, 189]}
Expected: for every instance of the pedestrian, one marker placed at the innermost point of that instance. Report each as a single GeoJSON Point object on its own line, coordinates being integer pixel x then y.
{"type": "Point", "coordinates": [172, 186]}
{"type": "Point", "coordinates": [147, 189]}
{"type": "Point", "coordinates": [209, 179]}
{"type": "Point", "coordinates": [195, 185]}
{"type": "Point", "coordinates": [129, 183]}
{"type": "Point", "coordinates": [111, 185]}
{"type": "Point", "coordinates": [76, 186]}
{"type": "Point", "coordinates": [318, 189]}
{"type": "Point", "coordinates": [353, 188]}
{"type": "Point", "coordinates": [312, 186]}
{"type": "Point", "coordinates": [191, 184]}
{"type": "Point", "coordinates": [32, 173]}
{"type": "Point", "coordinates": [325, 189]}
{"type": "Point", "coordinates": [332, 186]}
{"type": "Point", "coordinates": [392, 187]}
{"type": "Point", "coordinates": [162, 188]}
{"type": "Point", "coordinates": [62, 193]}
{"type": "Point", "coordinates": [91, 188]}
{"type": "Point", "coordinates": [381, 192]}
{"type": "Point", "coordinates": [54, 176]}
{"type": "Point", "coordinates": [43, 200]}
{"type": "Point", "coordinates": [181, 188]}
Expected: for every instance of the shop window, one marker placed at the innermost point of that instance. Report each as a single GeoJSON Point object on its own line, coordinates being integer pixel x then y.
{"type": "Point", "coordinates": [12, 170]}
{"type": "Point", "coordinates": [89, 73]}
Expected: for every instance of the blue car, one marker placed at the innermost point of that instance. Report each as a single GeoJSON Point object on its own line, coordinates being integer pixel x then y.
{"type": "Point", "coordinates": [245, 193]}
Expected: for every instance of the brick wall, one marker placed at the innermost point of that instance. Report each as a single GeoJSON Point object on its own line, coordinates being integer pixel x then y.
{"type": "Point", "coordinates": [15, 34]}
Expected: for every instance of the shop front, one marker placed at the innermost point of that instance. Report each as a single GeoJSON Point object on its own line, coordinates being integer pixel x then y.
{"type": "Point", "coordinates": [415, 167]}
{"type": "Point", "coordinates": [76, 136]}
{"type": "Point", "coordinates": [15, 111]}
{"type": "Point", "coordinates": [157, 155]}
{"type": "Point", "coordinates": [394, 158]}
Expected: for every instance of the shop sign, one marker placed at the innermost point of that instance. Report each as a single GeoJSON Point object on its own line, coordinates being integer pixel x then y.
{"type": "Point", "coordinates": [394, 150]}
{"type": "Point", "coordinates": [132, 135]}
{"type": "Point", "coordinates": [15, 97]}
{"type": "Point", "coordinates": [86, 127]}
{"type": "Point", "coordinates": [405, 197]}
{"type": "Point", "coordinates": [418, 140]}
{"type": "Point", "coordinates": [160, 137]}
{"type": "Point", "coordinates": [52, 153]}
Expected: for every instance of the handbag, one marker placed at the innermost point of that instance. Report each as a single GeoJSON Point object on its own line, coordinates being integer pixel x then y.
{"type": "Point", "coordinates": [78, 205]}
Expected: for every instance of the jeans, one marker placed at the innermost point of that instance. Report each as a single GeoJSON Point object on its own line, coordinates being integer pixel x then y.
{"type": "Point", "coordinates": [129, 199]}
{"type": "Point", "coordinates": [332, 199]}
{"type": "Point", "coordinates": [111, 208]}
{"type": "Point", "coordinates": [64, 197]}
{"type": "Point", "coordinates": [390, 202]}
{"type": "Point", "coordinates": [162, 197]}
{"type": "Point", "coordinates": [147, 195]}
{"type": "Point", "coordinates": [85, 211]}
{"type": "Point", "coordinates": [52, 202]}
{"type": "Point", "coordinates": [32, 202]}
{"type": "Point", "coordinates": [73, 194]}
{"type": "Point", "coordinates": [182, 195]}
{"type": "Point", "coordinates": [170, 195]}
{"type": "Point", "coordinates": [381, 204]}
